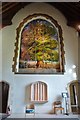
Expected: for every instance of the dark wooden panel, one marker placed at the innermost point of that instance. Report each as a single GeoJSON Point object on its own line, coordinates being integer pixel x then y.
{"type": "Point", "coordinates": [71, 11]}
{"type": "Point", "coordinates": [4, 91]}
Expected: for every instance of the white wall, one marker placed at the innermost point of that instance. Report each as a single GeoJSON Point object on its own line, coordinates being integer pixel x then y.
{"type": "Point", "coordinates": [56, 83]}
{"type": "Point", "coordinates": [0, 55]}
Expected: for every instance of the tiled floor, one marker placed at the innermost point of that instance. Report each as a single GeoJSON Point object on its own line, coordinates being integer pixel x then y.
{"type": "Point", "coordinates": [42, 116]}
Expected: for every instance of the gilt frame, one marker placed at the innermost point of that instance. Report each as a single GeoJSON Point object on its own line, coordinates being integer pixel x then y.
{"type": "Point", "coordinates": [48, 65]}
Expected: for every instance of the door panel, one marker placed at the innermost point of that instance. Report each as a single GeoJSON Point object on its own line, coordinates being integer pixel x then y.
{"type": "Point", "coordinates": [4, 91]}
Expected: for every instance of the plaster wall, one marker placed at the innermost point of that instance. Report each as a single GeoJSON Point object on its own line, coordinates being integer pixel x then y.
{"type": "Point", "coordinates": [56, 83]}
{"type": "Point", "coordinates": [0, 55]}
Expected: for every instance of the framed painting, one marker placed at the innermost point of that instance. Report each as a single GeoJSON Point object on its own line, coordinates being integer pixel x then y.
{"type": "Point", "coordinates": [39, 46]}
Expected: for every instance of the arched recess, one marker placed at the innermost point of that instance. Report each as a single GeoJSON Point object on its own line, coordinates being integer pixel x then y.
{"type": "Point", "coordinates": [39, 46]}
{"type": "Point", "coordinates": [74, 96]}
{"type": "Point", "coordinates": [39, 92]}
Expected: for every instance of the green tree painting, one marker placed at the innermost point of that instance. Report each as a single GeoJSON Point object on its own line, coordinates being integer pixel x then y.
{"type": "Point", "coordinates": [39, 42]}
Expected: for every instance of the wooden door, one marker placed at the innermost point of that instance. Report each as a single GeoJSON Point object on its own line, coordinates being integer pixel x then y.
{"type": "Point", "coordinates": [4, 91]}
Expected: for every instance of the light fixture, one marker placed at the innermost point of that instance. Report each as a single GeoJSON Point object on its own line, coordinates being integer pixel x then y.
{"type": "Point", "coordinates": [79, 27]}
{"type": "Point", "coordinates": [75, 75]}
{"type": "Point", "coordinates": [72, 71]}
{"type": "Point", "coordinates": [74, 66]}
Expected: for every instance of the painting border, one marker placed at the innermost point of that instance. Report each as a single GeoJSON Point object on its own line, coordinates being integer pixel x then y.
{"type": "Point", "coordinates": [17, 46]}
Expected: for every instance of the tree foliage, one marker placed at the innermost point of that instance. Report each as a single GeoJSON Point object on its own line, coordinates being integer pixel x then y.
{"type": "Point", "coordinates": [38, 42]}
